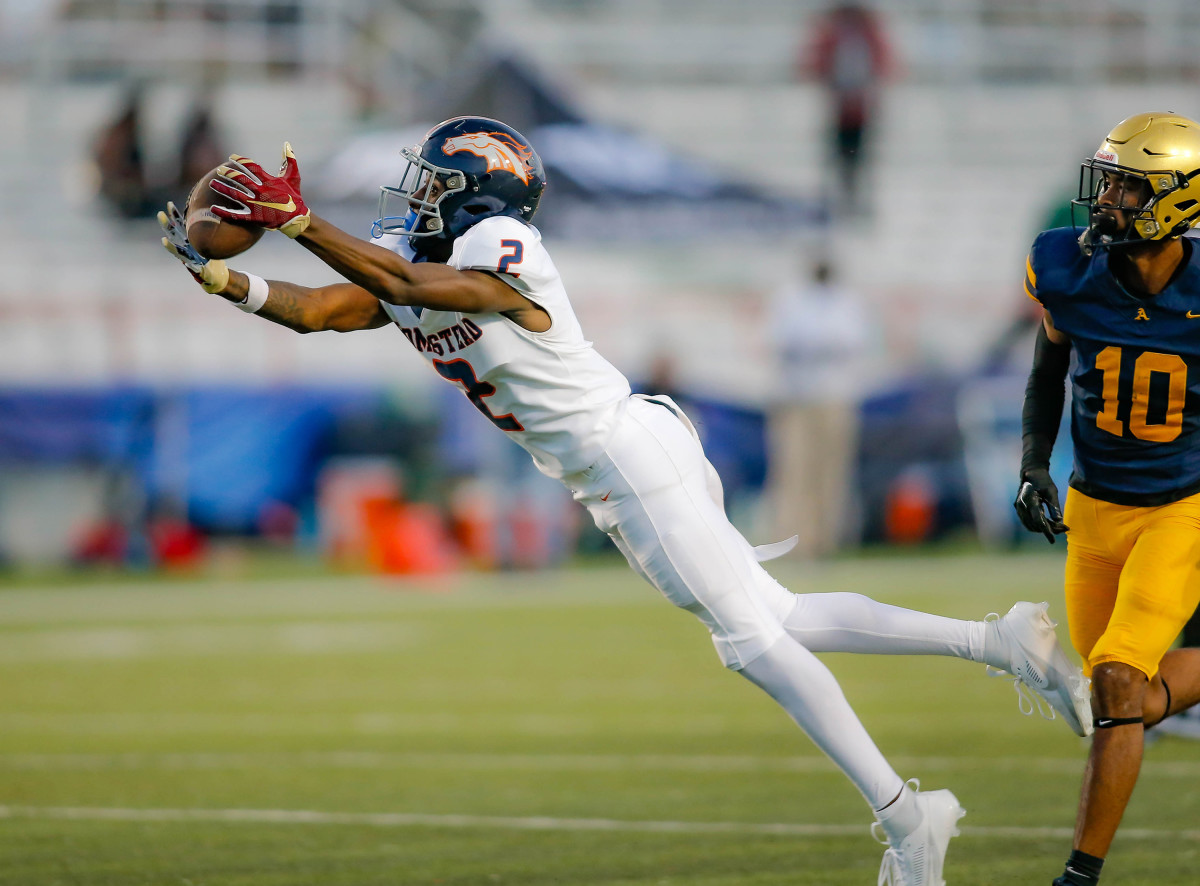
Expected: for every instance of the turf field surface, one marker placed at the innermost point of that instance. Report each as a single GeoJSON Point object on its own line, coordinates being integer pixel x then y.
{"type": "Point", "coordinates": [553, 728]}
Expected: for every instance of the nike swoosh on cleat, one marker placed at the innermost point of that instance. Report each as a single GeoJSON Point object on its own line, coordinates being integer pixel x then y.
{"type": "Point", "coordinates": [1191, 316]}
{"type": "Point", "coordinates": [282, 207]}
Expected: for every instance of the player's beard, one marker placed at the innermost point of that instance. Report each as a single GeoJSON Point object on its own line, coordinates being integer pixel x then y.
{"type": "Point", "coordinates": [1108, 227]}
{"type": "Point", "coordinates": [1107, 222]}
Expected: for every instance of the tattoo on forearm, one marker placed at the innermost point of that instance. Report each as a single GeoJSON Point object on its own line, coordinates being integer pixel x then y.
{"type": "Point", "coordinates": [285, 306]}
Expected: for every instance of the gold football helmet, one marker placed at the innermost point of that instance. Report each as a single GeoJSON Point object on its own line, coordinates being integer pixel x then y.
{"type": "Point", "coordinates": [1157, 153]}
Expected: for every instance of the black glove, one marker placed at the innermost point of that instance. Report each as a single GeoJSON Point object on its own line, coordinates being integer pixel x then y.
{"type": "Point", "coordinates": [1037, 504]}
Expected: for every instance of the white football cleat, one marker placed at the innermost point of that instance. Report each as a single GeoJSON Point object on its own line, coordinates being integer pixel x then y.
{"type": "Point", "coordinates": [1036, 660]}
{"type": "Point", "coordinates": [918, 859]}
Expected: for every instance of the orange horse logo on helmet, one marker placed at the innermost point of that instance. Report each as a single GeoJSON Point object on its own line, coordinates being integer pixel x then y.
{"type": "Point", "coordinates": [499, 150]}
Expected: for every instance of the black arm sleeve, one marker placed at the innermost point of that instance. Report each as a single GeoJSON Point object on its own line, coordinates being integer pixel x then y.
{"type": "Point", "coordinates": [1045, 393]}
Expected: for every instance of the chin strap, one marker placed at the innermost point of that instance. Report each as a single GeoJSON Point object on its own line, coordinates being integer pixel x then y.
{"type": "Point", "coordinates": [1088, 241]}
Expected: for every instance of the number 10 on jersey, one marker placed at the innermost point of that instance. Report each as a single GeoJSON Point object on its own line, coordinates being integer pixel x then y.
{"type": "Point", "coordinates": [1172, 366]}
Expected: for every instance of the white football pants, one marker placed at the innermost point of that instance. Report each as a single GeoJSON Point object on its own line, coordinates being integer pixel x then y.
{"type": "Point", "coordinates": [657, 496]}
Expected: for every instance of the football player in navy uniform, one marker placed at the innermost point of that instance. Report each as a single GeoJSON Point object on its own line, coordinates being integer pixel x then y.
{"type": "Point", "coordinates": [466, 278]}
{"type": "Point", "coordinates": [1123, 299]}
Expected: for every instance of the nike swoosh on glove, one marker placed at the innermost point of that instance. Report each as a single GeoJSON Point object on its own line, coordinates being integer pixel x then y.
{"type": "Point", "coordinates": [269, 201]}
{"type": "Point", "coordinates": [212, 274]}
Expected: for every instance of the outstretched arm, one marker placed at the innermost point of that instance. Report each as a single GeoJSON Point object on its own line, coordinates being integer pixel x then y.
{"type": "Point", "coordinates": [399, 282]}
{"type": "Point", "coordinates": [342, 307]}
{"type": "Point", "coordinates": [275, 202]}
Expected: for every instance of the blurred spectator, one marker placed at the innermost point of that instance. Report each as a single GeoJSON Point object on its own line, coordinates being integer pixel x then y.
{"type": "Point", "coordinates": [125, 173]}
{"type": "Point", "coordinates": [819, 333]}
{"type": "Point", "coordinates": [120, 163]}
{"type": "Point", "coordinates": [201, 144]}
{"type": "Point", "coordinates": [849, 53]}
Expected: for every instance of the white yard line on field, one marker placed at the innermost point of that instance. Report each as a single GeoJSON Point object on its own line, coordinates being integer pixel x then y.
{"type": "Point", "coordinates": [552, 762]}
{"type": "Point", "coordinates": [538, 823]}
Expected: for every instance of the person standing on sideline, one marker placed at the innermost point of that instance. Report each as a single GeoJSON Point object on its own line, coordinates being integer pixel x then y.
{"type": "Point", "coordinates": [466, 279]}
{"type": "Point", "coordinates": [818, 330]}
{"type": "Point", "coordinates": [1123, 299]}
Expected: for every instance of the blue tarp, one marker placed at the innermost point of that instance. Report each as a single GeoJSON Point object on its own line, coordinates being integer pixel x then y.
{"type": "Point", "coordinates": [229, 452]}
{"type": "Point", "coordinates": [232, 452]}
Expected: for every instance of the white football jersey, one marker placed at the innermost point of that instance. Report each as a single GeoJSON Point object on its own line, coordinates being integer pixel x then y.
{"type": "Point", "coordinates": [549, 390]}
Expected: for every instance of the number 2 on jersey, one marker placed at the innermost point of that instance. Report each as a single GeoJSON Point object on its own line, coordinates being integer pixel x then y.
{"type": "Point", "coordinates": [516, 253]}
{"type": "Point", "coordinates": [464, 373]}
{"type": "Point", "coordinates": [1108, 362]}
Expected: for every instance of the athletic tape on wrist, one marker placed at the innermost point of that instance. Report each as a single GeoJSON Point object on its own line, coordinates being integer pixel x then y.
{"type": "Point", "coordinates": [257, 291]}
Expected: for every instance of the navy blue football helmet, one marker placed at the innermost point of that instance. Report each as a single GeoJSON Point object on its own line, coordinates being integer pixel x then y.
{"type": "Point", "coordinates": [465, 170]}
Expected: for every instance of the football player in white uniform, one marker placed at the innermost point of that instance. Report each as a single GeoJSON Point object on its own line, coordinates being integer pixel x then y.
{"type": "Point", "coordinates": [470, 285]}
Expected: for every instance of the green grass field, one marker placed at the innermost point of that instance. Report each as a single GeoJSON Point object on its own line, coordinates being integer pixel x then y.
{"type": "Point", "coordinates": [557, 728]}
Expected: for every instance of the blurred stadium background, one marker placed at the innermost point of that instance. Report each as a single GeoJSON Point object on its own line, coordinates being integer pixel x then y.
{"type": "Point", "coordinates": [147, 430]}
{"type": "Point", "coordinates": [690, 178]}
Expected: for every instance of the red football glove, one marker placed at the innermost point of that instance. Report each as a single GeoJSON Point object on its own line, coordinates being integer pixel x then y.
{"type": "Point", "coordinates": [269, 201]}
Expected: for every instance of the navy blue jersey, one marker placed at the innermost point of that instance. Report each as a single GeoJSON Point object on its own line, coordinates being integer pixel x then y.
{"type": "Point", "coordinates": [1135, 377]}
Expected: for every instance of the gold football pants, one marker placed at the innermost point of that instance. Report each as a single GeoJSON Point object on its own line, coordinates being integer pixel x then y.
{"type": "Point", "coordinates": [1132, 578]}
